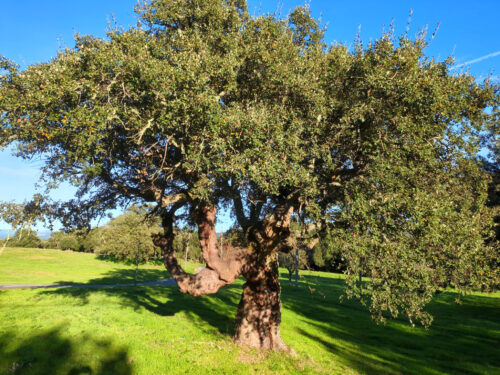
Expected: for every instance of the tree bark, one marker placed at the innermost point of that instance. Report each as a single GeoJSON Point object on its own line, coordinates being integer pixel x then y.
{"type": "Point", "coordinates": [258, 317]}
{"type": "Point", "coordinates": [218, 272]}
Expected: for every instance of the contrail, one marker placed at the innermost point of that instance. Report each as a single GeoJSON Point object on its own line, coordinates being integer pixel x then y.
{"type": "Point", "coordinates": [477, 60]}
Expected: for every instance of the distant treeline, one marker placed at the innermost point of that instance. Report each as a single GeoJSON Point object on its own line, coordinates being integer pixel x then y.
{"type": "Point", "coordinates": [127, 238]}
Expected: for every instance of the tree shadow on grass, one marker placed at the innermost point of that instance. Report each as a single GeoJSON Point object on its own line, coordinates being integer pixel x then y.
{"type": "Point", "coordinates": [129, 262]}
{"type": "Point", "coordinates": [463, 338]}
{"type": "Point", "coordinates": [126, 276]}
{"type": "Point", "coordinates": [122, 276]}
{"type": "Point", "coordinates": [53, 352]}
{"type": "Point", "coordinates": [218, 310]}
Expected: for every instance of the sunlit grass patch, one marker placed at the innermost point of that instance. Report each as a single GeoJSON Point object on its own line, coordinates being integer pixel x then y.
{"type": "Point", "coordinates": [158, 330]}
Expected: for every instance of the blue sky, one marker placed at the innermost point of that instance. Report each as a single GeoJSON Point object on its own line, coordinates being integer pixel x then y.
{"type": "Point", "coordinates": [32, 31]}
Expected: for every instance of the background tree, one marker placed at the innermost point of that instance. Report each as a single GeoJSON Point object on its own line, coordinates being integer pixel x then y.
{"type": "Point", "coordinates": [187, 245]}
{"type": "Point", "coordinates": [327, 255]}
{"type": "Point", "coordinates": [289, 261]}
{"type": "Point", "coordinates": [203, 106]}
{"type": "Point", "coordinates": [12, 214]}
{"type": "Point", "coordinates": [20, 216]}
{"type": "Point", "coordinates": [76, 240]}
{"type": "Point", "coordinates": [63, 241]}
{"type": "Point", "coordinates": [25, 237]}
{"type": "Point", "coordinates": [297, 259]}
{"type": "Point", "coordinates": [128, 237]}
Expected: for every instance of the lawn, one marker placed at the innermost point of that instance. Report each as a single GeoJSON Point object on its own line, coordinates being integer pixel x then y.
{"type": "Point", "coordinates": [157, 330]}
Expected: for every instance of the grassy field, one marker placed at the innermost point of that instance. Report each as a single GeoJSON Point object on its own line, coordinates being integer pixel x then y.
{"type": "Point", "coordinates": [157, 330]}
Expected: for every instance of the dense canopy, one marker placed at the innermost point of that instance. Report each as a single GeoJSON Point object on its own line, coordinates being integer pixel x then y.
{"type": "Point", "coordinates": [202, 106]}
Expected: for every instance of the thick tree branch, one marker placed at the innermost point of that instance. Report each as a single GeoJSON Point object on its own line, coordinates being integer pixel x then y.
{"type": "Point", "coordinates": [273, 233]}
{"type": "Point", "coordinates": [167, 200]}
{"type": "Point", "coordinates": [255, 211]}
{"type": "Point", "coordinates": [228, 267]}
{"type": "Point", "coordinates": [206, 281]}
{"type": "Point", "coordinates": [240, 212]}
{"type": "Point", "coordinates": [219, 271]}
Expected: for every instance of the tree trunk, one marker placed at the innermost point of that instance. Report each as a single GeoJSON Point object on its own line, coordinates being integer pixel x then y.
{"type": "Point", "coordinates": [258, 318]}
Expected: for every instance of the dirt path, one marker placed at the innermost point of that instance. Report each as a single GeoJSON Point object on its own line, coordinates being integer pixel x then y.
{"type": "Point", "coordinates": [165, 282]}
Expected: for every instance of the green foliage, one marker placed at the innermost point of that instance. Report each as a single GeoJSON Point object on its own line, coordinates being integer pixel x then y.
{"type": "Point", "coordinates": [187, 245]}
{"type": "Point", "coordinates": [327, 256]}
{"type": "Point", "coordinates": [181, 103]}
{"type": "Point", "coordinates": [24, 237]}
{"type": "Point", "coordinates": [412, 216]}
{"type": "Point", "coordinates": [74, 240]}
{"type": "Point", "coordinates": [375, 145]}
{"type": "Point", "coordinates": [491, 165]}
{"type": "Point", "coordinates": [128, 237]}
{"type": "Point", "coordinates": [293, 262]}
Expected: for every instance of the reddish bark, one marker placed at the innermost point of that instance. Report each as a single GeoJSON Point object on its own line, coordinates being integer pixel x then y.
{"type": "Point", "coordinates": [205, 282]}
{"type": "Point", "coordinates": [229, 267]}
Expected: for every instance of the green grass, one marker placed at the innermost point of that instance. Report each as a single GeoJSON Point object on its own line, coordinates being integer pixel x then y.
{"type": "Point", "coordinates": [157, 330]}
{"type": "Point", "coordinates": [45, 266]}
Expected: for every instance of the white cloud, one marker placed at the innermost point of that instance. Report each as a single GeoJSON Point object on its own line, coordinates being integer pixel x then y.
{"type": "Point", "coordinates": [489, 56]}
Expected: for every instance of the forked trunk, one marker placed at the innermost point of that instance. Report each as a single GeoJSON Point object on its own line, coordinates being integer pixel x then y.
{"type": "Point", "coordinates": [258, 318]}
